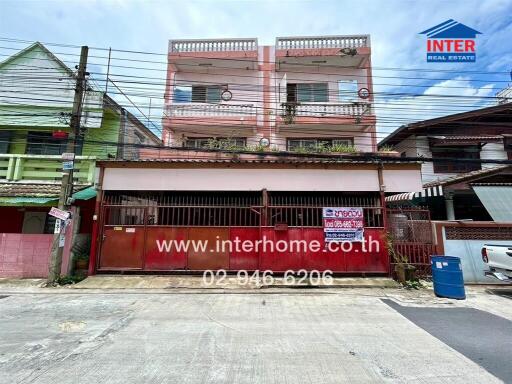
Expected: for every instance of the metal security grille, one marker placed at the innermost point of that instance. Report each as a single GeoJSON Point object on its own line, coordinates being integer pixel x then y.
{"type": "Point", "coordinates": [233, 209]}
{"type": "Point", "coordinates": [215, 209]}
{"type": "Point", "coordinates": [304, 209]}
{"type": "Point", "coordinates": [410, 238]}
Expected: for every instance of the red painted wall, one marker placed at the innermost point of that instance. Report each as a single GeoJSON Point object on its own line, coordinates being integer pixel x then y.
{"type": "Point", "coordinates": [117, 248]}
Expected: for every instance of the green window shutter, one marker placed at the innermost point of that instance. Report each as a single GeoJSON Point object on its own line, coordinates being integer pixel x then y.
{"type": "Point", "coordinates": [320, 93]}
{"type": "Point", "coordinates": [312, 93]}
{"type": "Point", "coordinates": [304, 93]}
{"type": "Point", "coordinates": [198, 94]}
{"type": "Point", "coordinates": [213, 94]}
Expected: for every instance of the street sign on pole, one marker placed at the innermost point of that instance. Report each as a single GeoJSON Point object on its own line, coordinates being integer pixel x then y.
{"type": "Point", "coordinates": [67, 165]}
{"type": "Point", "coordinates": [59, 213]}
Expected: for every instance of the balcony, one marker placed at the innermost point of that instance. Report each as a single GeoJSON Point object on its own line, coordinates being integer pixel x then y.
{"type": "Point", "coordinates": [324, 115]}
{"type": "Point", "coordinates": [346, 51]}
{"type": "Point", "coordinates": [211, 110]}
{"type": "Point", "coordinates": [36, 168]}
{"type": "Point", "coordinates": [204, 53]}
{"type": "Point", "coordinates": [210, 119]}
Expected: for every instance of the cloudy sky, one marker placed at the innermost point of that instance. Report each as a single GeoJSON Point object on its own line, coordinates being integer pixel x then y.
{"type": "Point", "coordinates": [401, 75]}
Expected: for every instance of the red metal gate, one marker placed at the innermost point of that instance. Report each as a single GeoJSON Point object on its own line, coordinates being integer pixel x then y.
{"type": "Point", "coordinates": [137, 228]}
{"type": "Point", "coordinates": [410, 235]}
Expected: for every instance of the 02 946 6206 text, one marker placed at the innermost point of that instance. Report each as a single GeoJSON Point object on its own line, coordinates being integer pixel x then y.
{"type": "Point", "coordinates": [220, 277]}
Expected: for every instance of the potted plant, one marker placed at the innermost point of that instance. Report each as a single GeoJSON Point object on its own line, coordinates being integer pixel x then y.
{"type": "Point", "coordinates": [289, 112]}
{"type": "Point", "coordinates": [81, 261]}
{"type": "Point", "coordinates": [404, 271]}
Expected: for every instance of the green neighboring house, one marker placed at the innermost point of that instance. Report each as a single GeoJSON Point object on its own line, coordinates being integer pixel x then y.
{"type": "Point", "coordinates": [36, 98]}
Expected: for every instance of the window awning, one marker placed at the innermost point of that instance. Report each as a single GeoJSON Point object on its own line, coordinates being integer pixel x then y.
{"type": "Point", "coordinates": [85, 194]}
{"type": "Point", "coordinates": [410, 196]}
{"type": "Point", "coordinates": [24, 194]}
{"type": "Point", "coordinates": [496, 200]}
{"type": "Point", "coordinates": [27, 201]}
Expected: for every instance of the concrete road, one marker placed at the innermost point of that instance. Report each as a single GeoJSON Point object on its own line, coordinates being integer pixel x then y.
{"type": "Point", "coordinates": [297, 337]}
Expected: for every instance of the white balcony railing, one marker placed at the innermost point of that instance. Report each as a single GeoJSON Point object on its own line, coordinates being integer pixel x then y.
{"type": "Point", "coordinates": [356, 41]}
{"type": "Point", "coordinates": [332, 110]}
{"type": "Point", "coordinates": [214, 45]}
{"type": "Point", "coordinates": [211, 110]}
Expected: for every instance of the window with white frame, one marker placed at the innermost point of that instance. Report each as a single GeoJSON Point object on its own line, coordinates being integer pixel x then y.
{"type": "Point", "coordinates": [197, 94]}
{"type": "Point", "coordinates": [347, 91]}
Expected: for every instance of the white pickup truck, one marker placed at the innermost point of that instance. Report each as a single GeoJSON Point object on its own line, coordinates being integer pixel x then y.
{"type": "Point", "coordinates": [499, 260]}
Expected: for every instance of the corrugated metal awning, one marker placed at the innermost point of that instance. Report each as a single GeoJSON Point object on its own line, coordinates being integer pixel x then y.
{"type": "Point", "coordinates": [496, 200]}
{"type": "Point", "coordinates": [27, 201]}
{"type": "Point", "coordinates": [409, 196]}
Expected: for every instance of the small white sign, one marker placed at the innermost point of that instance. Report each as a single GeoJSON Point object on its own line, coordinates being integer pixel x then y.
{"type": "Point", "coordinates": [62, 240]}
{"type": "Point", "coordinates": [67, 165]}
{"type": "Point", "coordinates": [59, 213]}
{"type": "Point", "coordinates": [57, 226]}
{"type": "Point", "coordinates": [439, 265]}
{"type": "Point", "coordinates": [68, 156]}
{"type": "Point", "coordinates": [130, 230]}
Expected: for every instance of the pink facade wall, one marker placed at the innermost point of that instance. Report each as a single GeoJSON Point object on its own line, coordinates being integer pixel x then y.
{"type": "Point", "coordinates": [264, 87]}
{"type": "Point", "coordinates": [24, 255]}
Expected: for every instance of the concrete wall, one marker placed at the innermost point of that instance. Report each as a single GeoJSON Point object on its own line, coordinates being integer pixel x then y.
{"type": "Point", "coordinates": [469, 252]}
{"type": "Point", "coordinates": [467, 245]}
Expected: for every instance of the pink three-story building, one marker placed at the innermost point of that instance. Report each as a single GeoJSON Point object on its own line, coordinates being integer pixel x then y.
{"type": "Point", "coordinates": [297, 94]}
{"type": "Point", "coordinates": [305, 95]}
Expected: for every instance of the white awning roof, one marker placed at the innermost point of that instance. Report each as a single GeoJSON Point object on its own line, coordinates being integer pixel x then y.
{"type": "Point", "coordinates": [426, 192]}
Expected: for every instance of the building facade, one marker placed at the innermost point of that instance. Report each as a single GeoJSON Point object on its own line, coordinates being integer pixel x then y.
{"type": "Point", "coordinates": [301, 94]}
{"type": "Point", "coordinates": [260, 143]}
{"type": "Point", "coordinates": [459, 146]}
{"type": "Point", "coordinates": [36, 98]}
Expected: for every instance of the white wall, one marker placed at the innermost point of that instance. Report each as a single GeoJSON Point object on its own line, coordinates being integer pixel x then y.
{"type": "Point", "coordinates": [256, 179]}
{"type": "Point", "coordinates": [469, 252]}
{"type": "Point", "coordinates": [419, 146]}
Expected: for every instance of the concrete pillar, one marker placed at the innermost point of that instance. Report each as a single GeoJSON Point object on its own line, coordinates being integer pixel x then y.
{"type": "Point", "coordinates": [450, 211]}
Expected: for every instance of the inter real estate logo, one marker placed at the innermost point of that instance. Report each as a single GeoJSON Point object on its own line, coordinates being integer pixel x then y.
{"type": "Point", "coordinates": [451, 42]}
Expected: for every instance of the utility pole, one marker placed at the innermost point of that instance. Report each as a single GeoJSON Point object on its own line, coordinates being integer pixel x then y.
{"type": "Point", "coordinates": [67, 174]}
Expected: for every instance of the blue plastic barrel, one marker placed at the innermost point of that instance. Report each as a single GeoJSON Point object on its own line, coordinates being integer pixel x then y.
{"type": "Point", "coordinates": [447, 277]}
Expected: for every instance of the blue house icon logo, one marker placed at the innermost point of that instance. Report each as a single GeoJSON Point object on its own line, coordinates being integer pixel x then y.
{"type": "Point", "coordinates": [451, 41]}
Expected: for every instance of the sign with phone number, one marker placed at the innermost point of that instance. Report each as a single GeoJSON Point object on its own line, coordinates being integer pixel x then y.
{"type": "Point", "coordinates": [343, 224]}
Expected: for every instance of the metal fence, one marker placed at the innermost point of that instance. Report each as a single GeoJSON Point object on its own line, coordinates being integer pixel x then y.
{"type": "Point", "coordinates": [233, 209]}
{"type": "Point", "coordinates": [410, 237]}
